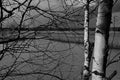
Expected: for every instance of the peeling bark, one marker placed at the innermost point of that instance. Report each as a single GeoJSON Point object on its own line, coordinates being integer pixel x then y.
{"type": "Point", "coordinates": [86, 72]}
{"type": "Point", "coordinates": [101, 39]}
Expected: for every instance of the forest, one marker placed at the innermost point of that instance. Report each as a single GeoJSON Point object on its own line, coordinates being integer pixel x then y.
{"type": "Point", "coordinates": [59, 39]}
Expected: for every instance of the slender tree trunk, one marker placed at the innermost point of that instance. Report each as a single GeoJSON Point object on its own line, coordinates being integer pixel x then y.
{"type": "Point", "coordinates": [101, 39]}
{"type": "Point", "coordinates": [1, 14]}
{"type": "Point", "coordinates": [86, 66]}
{"type": "Point", "coordinates": [1, 17]}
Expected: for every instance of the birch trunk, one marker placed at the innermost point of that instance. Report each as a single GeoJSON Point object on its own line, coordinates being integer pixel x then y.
{"type": "Point", "coordinates": [1, 17]}
{"type": "Point", "coordinates": [0, 11]}
{"type": "Point", "coordinates": [101, 39]}
{"type": "Point", "coordinates": [86, 66]}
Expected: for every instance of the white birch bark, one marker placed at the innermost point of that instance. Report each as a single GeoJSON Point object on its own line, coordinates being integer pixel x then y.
{"type": "Point", "coordinates": [86, 66]}
{"type": "Point", "coordinates": [101, 39]}
{"type": "Point", "coordinates": [1, 17]}
{"type": "Point", "coordinates": [0, 12]}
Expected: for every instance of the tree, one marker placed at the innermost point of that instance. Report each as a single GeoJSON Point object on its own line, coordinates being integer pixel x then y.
{"type": "Point", "coordinates": [87, 54]}
{"type": "Point", "coordinates": [43, 40]}
{"type": "Point", "coordinates": [101, 39]}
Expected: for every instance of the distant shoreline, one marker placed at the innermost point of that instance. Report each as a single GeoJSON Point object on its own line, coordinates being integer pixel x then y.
{"type": "Point", "coordinates": [54, 29]}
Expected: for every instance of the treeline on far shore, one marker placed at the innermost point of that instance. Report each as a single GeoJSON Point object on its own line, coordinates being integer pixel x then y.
{"type": "Point", "coordinates": [54, 29]}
